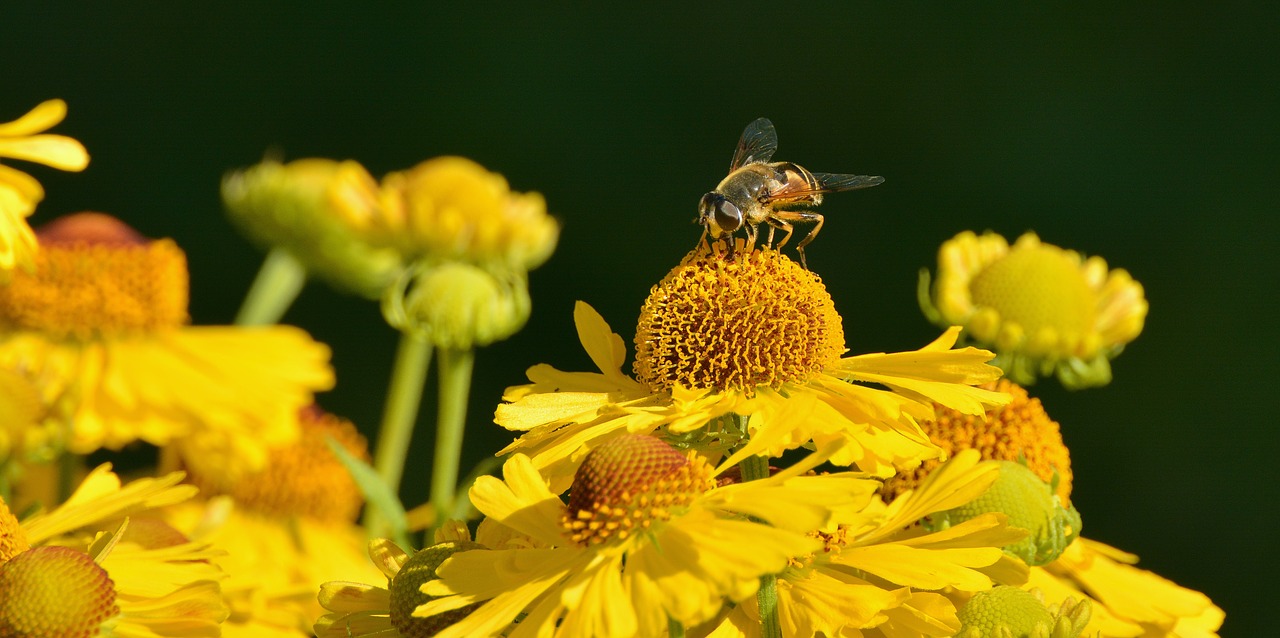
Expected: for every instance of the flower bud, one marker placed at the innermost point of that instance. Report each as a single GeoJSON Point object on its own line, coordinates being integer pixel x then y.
{"type": "Point", "coordinates": [459, 306]}
{"type": "Point", "coordinates": [322, 212]}
{"type": "Point", "coordinates": [1031, 504]}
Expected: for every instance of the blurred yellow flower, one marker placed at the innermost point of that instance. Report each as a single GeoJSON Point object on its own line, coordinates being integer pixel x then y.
{"type": "Point", "coordinates": [287, 528]}
{"type": "Point", "coordinates": [1043, 309]}
{"type": "Point", "coordinates": [451, 208]}
{"type": "Point", "coordinates": [321, 212]}
{"type": "Point", "coordinates": [99, 328]}
{"type": "Point", "coordinates": [19, 192]}
{"type": "Point", "coordinates": [273, 564]}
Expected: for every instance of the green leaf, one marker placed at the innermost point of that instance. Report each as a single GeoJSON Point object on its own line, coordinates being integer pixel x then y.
{"type": "Point", "coordinates": [377, 494]}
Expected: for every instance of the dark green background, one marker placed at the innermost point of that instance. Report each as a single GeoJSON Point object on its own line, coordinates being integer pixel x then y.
{"type": "Point", "coordinates": [1146, 135]}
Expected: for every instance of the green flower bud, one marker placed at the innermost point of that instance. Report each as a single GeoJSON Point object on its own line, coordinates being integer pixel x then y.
{"type": "Point", "coordinates": [1010, 612]}
{"type": "Point", "coordinates": [1030, 503]}
{"type": "Point", "coordinates": [406, 591]}
{"type": "Point", "coordinates": [321, 212]}
{"type": "Point", "coordinates": [457, 305]}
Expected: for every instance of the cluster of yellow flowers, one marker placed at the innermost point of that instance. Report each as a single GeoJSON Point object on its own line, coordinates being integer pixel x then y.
{"type": "Point", "coordinates": [748, 477]}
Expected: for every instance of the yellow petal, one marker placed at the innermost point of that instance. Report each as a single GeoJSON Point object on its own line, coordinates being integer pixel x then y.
{"type": "Point", "coordinates": [25, 187]}
{"type": "Point", "coordinates": [522, 501]}
{"type": "Point", "coordinates": [604, 346]}
{"type": "Point", "coordinates": [924, 568]}
{"type": "Point", "coordinates": [955, 483]}
{"type": "Point", "coordinates": [100, 497]}
{"type": "Point", "coordinates": [42, 118]}
{"type": "Point", "coordinates": [345, 598]}
{"type": "Point", "coordinates": [510, 580]}
{"type": "Point", "coordinates": [58, 151]}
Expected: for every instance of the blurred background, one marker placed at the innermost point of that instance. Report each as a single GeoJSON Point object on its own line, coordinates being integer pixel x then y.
{"type": "Point", "coordinates": [1147, 135]}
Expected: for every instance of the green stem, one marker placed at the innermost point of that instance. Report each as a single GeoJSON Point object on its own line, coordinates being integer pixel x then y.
{"type": "Point", "coordinates": [767, 599]}
{"type": "Point", "coordinates": [674, 628]}
{"type": "Point", "coordinates": [278, 283]}
{"type": "Point", "coordinates": [455, 386]}
{"type": "Point", "coordinates": [68, 463]}
{"type": "Point", "coordinates": [6, 480]}
{"type": "Point", "coordinates": [755, 468]}
{"type": "Point", "coordinates": [413, 357]}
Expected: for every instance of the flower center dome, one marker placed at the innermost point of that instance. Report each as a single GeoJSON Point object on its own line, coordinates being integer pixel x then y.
{"type": "Point", "coordinates": [758, 319]}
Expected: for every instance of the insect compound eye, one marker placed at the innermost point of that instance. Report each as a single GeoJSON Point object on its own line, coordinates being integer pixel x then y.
{"type": "Point", "coordinates": [720, 214]}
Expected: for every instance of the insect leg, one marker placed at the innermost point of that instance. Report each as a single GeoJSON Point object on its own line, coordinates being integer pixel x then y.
{"type": "Point", "coordinates": [786, 227]}
{"type": "Point", "coordinates": [783, 217]}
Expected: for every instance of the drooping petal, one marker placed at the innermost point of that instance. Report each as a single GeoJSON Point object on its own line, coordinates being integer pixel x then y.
{"type": "Point", "coordinates": [522, 502]}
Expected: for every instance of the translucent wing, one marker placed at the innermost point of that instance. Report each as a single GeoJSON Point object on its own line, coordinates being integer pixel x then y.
{"type": "Point", "coordinates": [801, 186]}
{"type": "Point", "coordinates": [836, 182]}
{"type": "Point", "coordinates": [758, 143]}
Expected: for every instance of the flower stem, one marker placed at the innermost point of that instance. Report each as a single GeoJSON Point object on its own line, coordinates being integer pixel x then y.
{"type": "Point", "coordinates": [674, 628]}
{"type": "Point", "coordinates": [278, 283]}
{"type": "Point", "coordinates": [68, 463]}
{"type": "Point", "coordinates": [767, 599]}
{"type": "Point", "coordinates": [413, 357]}
{"type": "Point", "coordinates": [755, 468]}
{"type": "Point", "coordinates": [451, 422]}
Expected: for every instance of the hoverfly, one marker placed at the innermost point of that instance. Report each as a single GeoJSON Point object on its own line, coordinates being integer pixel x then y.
{"type": "Point", "coordinates": [775, 193]}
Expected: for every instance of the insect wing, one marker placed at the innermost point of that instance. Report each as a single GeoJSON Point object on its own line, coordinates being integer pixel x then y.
{"type": "Point", "coordinates": [836, 182]}
{"type": "Point", "coordinates": [758, 143]}
{"type": "Point", "coordinates": [802, 187]}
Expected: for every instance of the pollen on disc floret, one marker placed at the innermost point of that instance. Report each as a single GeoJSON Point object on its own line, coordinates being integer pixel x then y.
{"type": "Point", "coordinates": [756, 319]}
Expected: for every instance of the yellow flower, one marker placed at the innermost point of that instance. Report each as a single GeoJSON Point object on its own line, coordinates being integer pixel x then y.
{"type": "Point", "coordinates": [646, 536]}
{"type": "Point", "coordinates": [1124, 601]}
{"type": "Point", "coordinates": [302, 478]}
{"type": "Point", "coordinates": [99, 329]}
{"type": "Point", "coordinates": [76, 578]}
{"type": "Point", "coordinates": [451, 208]}
{"type": "Point", "coordinates": [288, 527]}
{"type": "Point", "coordinates": [878, 572]}
{"type": "Point", "coordinates": [321, 212]}
{"type": "Point", "coordinates": [19, 192]}
{"type": "Point", "coordinates": [756, 336]}
{"type": "Point", "coordinates": [1021, 431]}
{"type": "Point", "coordinates": [1127, 601]}
{"type": "Point", "coordinates": [273, 565]}
{"type": "Point", "coordinates": [1043, 309]}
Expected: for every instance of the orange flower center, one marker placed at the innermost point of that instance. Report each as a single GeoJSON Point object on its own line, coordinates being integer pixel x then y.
{"type": "Point", "coordinates": [302, 478]}
{"type": "Point", "coordinates": [1020, 431]}
{"type": "Point", "coordinates": [94, 275]}
{"type": "Point", "coordinates": [629, 484]}
{"type": "Point", "coordinates": [758, 319]}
